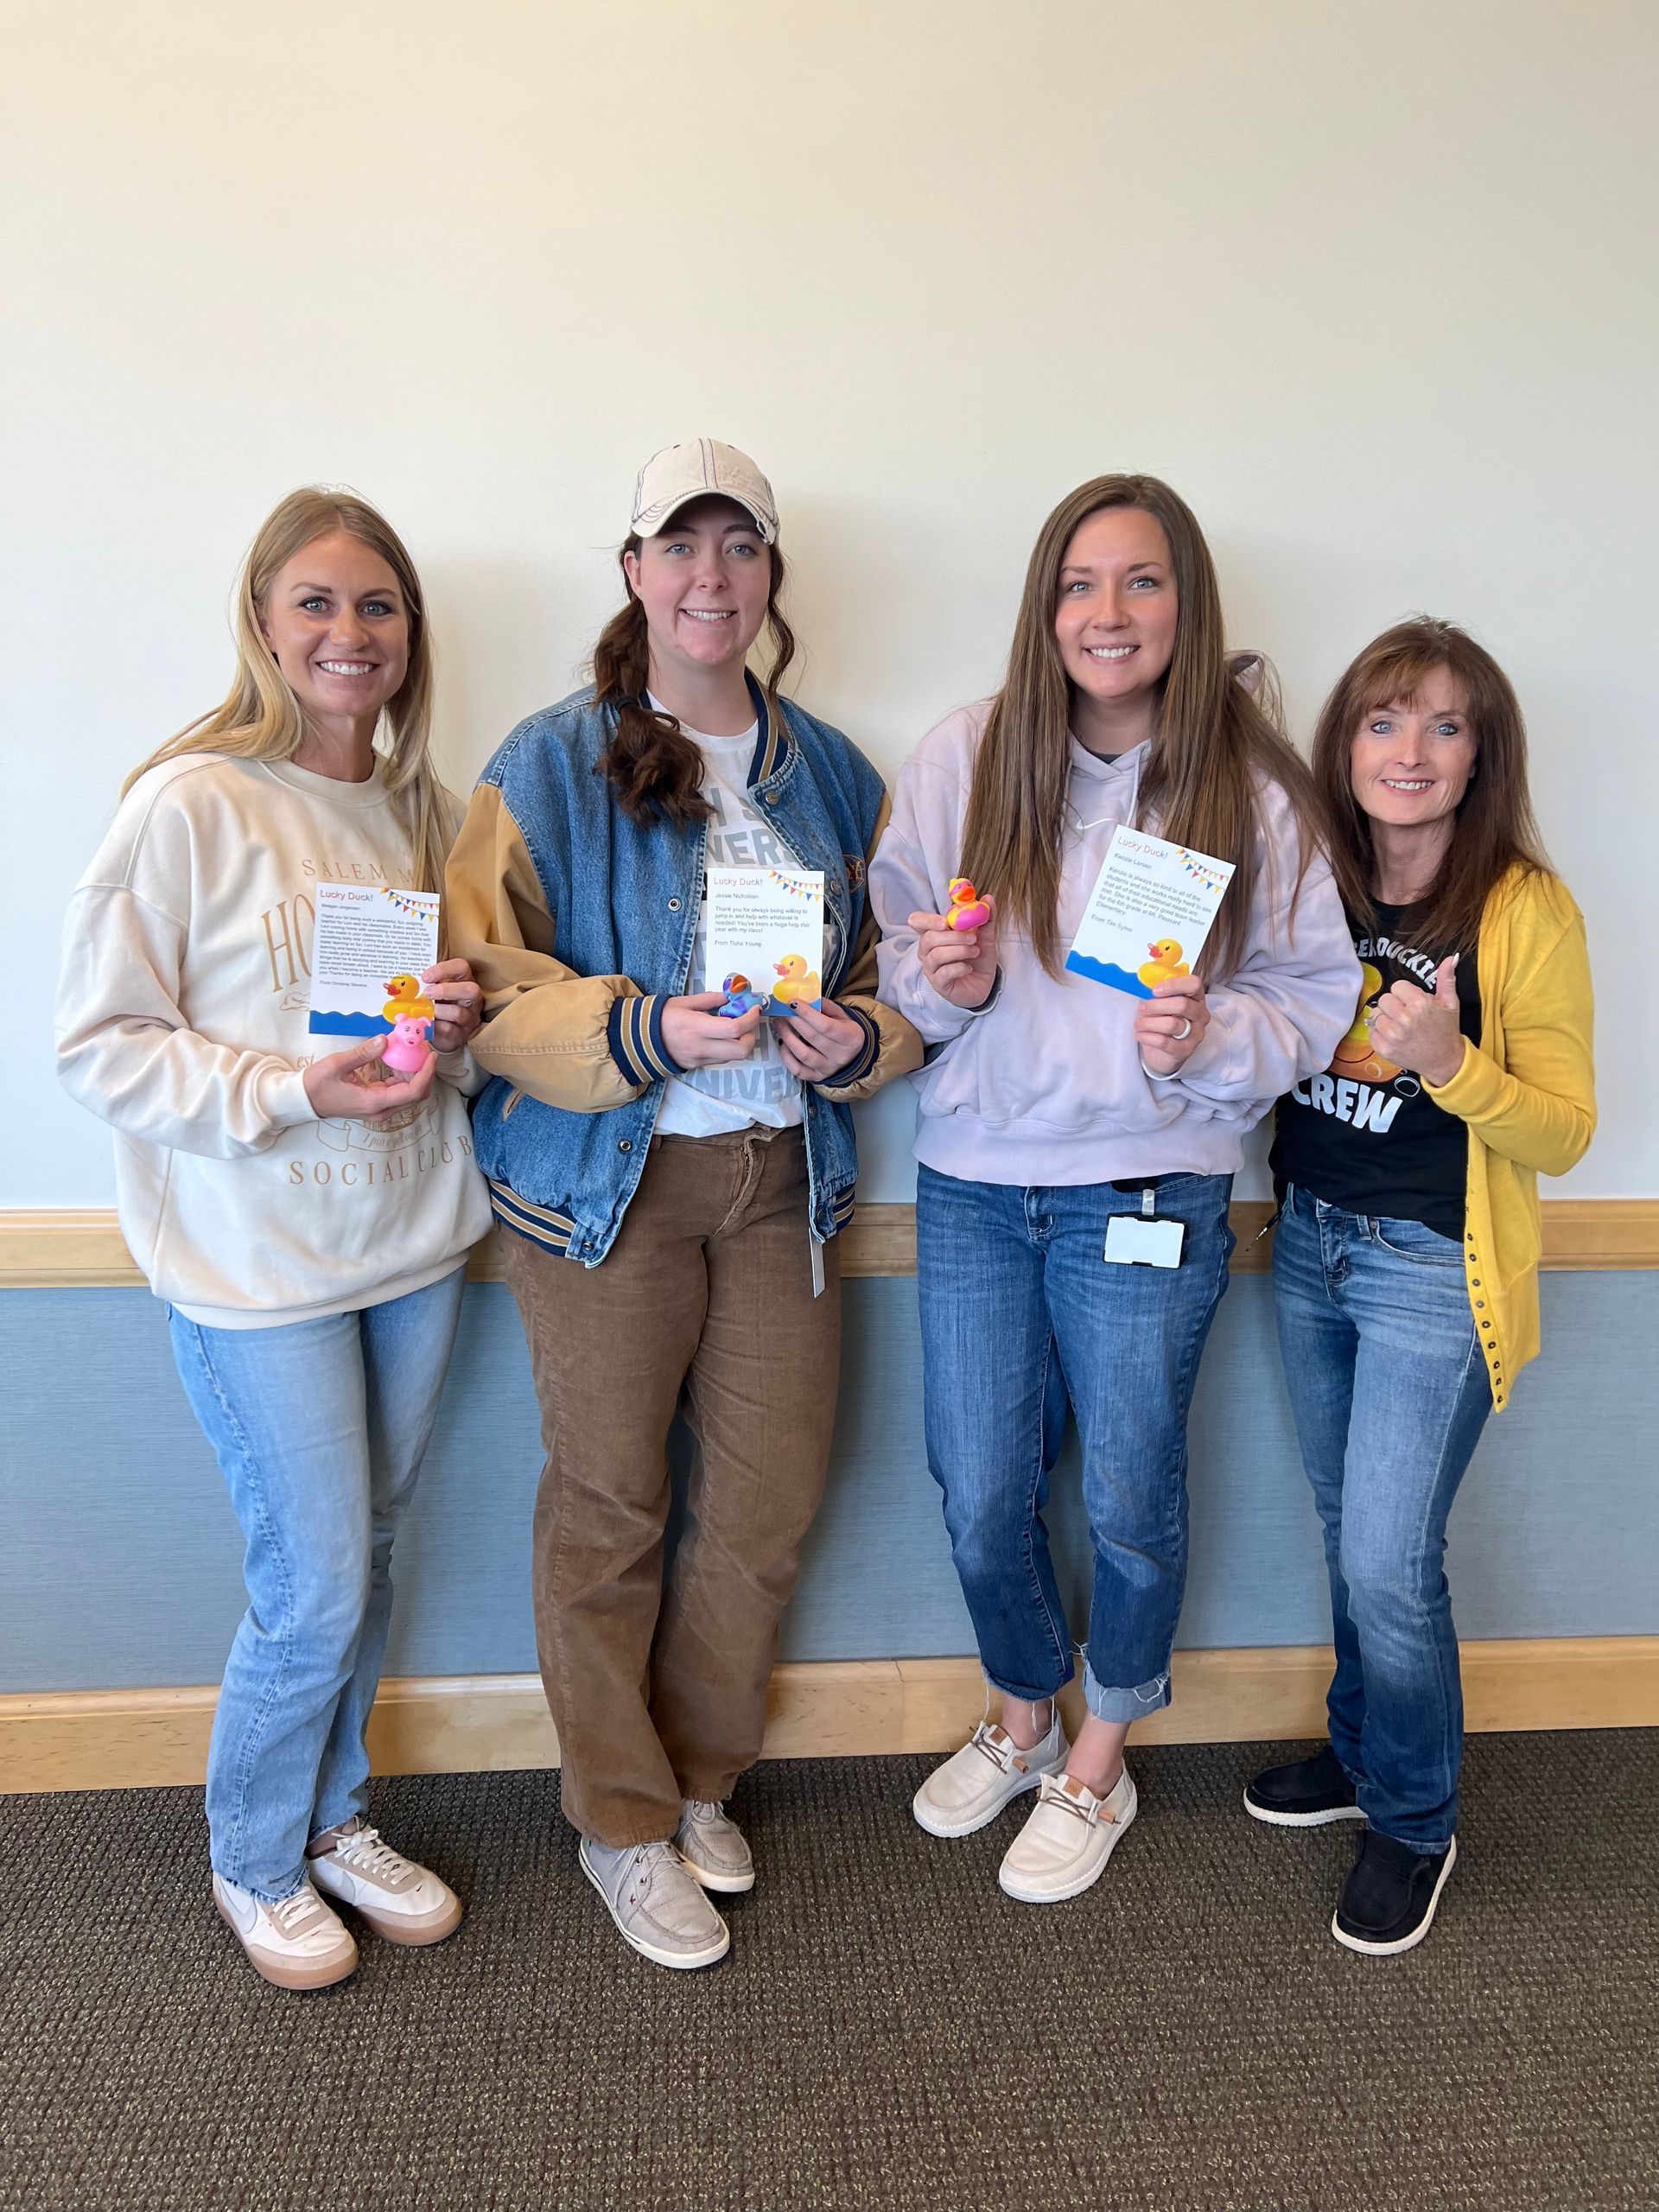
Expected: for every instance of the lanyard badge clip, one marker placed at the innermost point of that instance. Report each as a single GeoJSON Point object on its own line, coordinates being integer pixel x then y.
{"type": "Point", "coordinates": [1144, 1240]}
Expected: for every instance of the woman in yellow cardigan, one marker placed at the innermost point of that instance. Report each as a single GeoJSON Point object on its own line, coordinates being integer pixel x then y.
{"type": "Point", "coordinates": [1406, 1258]}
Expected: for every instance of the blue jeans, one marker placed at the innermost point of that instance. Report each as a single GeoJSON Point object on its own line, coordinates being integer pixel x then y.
{"type": "Point", "coordinates": [1022, 1315]}
{"type": "Point", "coordinates": [1389, 1393]}
{"type": "Point", "coordinates": [318, 1428]}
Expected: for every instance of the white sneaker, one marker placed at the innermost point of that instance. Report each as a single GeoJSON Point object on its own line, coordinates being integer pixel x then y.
{"type": "Point", "coordinates": [988, 1772]}
{"type": "Point", "coordinates": [298, 1944]}
{"type": "Point", "coordinates": [1065, 1845]}
{"type": "Point", "coordinates": [404, 1902]}
{"type": "Point", "coordinates": [713, 1848]}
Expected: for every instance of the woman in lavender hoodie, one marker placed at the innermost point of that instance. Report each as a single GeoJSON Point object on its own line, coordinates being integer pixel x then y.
{"type": "Point", "coordinates": [1054, 1103]}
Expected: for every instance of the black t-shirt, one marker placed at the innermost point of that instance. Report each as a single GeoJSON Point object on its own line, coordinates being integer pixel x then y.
{"type": "Point", "coordinates": [1366, 1135]}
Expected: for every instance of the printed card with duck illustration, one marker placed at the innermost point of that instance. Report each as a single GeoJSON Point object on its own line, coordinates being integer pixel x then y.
{"type": "Point", "coordinates": [1150, 913]}
{"type": "Point", "coordinates": [765, 927]}
{"type": "Point", "coordinates": [370, 943]}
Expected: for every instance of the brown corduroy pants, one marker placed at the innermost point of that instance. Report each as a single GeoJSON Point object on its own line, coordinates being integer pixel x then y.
{"type": "Point", "coordinates": [705, 1301]}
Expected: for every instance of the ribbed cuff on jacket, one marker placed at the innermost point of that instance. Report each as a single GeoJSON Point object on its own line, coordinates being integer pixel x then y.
{"type": "Point", "coordinates": [856, 1071]}
{"type": "Point", "coordinates": [635, 1034]}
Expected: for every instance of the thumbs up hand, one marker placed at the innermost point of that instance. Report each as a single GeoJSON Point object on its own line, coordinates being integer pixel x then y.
{"type": "Point", "coordinates": [1418, 1029]}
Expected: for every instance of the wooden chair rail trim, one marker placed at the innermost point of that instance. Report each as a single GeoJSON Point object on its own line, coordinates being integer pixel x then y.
{"type": "Point", "coordinates": [61, 1247]}
{"type": "Point", "coordinates": [111, 1739]}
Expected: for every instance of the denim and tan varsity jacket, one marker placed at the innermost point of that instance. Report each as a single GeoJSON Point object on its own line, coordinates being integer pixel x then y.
{"type": "Point", "coordinates": [579, 923]}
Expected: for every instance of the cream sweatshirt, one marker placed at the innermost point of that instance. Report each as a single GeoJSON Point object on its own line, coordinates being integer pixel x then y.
{"type": "Point", "coordinates": [181, 1020]}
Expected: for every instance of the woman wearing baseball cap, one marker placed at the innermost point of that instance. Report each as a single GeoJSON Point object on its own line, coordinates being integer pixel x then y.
{"type": "Point", "coordinates": [670, 1178]}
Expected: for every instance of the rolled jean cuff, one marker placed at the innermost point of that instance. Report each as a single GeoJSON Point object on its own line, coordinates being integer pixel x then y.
{"type": "Point", "coordinates": [1024, 1691]}
{"type": "Point", "coordinates": [1124, 1705]}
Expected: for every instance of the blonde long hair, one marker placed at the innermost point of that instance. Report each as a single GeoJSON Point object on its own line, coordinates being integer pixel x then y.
{"type": "Point", "coordinates": [260, 718]}
{"type": "Point", "coordinates": [1213, 746]}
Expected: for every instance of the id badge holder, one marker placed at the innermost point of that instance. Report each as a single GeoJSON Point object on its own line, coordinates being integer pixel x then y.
{"type": "Point", "coordinates": [1141, 1240]}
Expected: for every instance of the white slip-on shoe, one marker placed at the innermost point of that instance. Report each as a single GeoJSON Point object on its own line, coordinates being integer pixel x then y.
{"type": "Point", "coordinates": [295, 1944]}
{"type": "Point", "coordinates": [713, 1847]}
{"type": "Point", "coordinates": [1063, 1846]}
{"type": "Point", "coordinates": [655, 1904]}
{"type": "Point", "coordinates": [404, 1902]}
{"type": "Point", "coordinates": [988, 1772]}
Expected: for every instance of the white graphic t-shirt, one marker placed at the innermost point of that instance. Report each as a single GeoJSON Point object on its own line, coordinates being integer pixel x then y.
{"type": "Point", "coordinates": [705, 1102]}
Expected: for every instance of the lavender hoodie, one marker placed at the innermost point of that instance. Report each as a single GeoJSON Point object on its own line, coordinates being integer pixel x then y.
{"type": "Point", "coordinates": [1044, 1084]}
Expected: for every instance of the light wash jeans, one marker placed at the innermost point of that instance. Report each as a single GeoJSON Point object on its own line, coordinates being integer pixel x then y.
{"type": "Point", "coordinates": [1020, 1314]}
{"type": "Point", "coordinates": [1389, 1393]}
{"type": "Point", "coordinates": [318, 1428]}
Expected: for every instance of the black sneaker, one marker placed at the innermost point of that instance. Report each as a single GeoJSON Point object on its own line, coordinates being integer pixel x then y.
{"type": "Point", "coordinates": [1305, 1795]}
{"type": "Point", "coordinates": [1388, 1901]}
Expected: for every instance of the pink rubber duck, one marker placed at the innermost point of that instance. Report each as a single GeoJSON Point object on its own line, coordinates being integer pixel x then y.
{"type": "Point", "coordinates": [968, 910]}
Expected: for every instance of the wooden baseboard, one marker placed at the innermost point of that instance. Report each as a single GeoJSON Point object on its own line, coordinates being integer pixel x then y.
{"type": "Point", "coordinates": [125, 1739]}
{"type": "Point", "coordinates": [67, 1248]}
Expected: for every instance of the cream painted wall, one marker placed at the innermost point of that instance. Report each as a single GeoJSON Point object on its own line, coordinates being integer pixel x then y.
{"type": "Point", "coordinates": [1372, 283]}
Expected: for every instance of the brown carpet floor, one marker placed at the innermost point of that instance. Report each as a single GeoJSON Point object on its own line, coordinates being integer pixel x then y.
{"type": "Point", "coordinates": [887, 2031]}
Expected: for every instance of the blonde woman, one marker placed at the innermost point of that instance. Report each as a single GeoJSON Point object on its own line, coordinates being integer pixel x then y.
{"type": "Point", "coordinates": [1055, 1106]}
{"type": "Point", "coordinates": [306, 1220]}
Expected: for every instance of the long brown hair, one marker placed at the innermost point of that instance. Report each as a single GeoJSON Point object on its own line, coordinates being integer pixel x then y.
{"type": "Point", "coordinates": [260, 718]}
{"type": "Point", "coordinates": [1493, 831]}
{"type": "Point", "coordinates": [654, 768]}
{"type": "Point", "coordinates": [1213, 747]}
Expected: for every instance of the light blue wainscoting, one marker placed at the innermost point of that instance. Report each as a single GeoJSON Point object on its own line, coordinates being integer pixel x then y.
{"type": "Point", "coordinates": [119, 1557]}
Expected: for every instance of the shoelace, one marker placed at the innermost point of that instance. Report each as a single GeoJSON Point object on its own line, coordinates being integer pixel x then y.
{"type": "Point", "coordinates": [980, 1741]}
{"type": "Point", "coordinates": [289, 1912]}
{"type": "Point", "coordinates": [364, 1848]}
{"type": "Point", "coordinates": [1055, 1793]}
{"type": "Point", "coordinates": [705, 1808]}
{"type": "Point", "coordinates": [647, 1858]}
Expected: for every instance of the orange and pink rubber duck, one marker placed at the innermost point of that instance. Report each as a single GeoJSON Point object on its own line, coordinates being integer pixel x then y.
{"type": "Point", "coordinates": [968, 910]}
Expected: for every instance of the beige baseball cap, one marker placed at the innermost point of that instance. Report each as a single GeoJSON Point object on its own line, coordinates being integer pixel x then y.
{"type": "Point", "coordinates": [693, 470]}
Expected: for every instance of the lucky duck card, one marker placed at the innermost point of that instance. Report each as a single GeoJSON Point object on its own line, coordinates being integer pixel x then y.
{"type": "Point", "coordinates": [1149, 912]}
{"type": "Point", "coordinates": [370, 943]}
{"type": "Point", "coordinates": [765, 935]}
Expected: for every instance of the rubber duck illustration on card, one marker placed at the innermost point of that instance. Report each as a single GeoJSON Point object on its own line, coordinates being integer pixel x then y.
{"type": "Point", "coordinates": [1166, 962]}
{"type": "Point", "coordinates": [796, 983]}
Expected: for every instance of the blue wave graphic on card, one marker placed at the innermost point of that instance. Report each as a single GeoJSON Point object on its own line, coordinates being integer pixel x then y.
{"type": "Point", "coordinates": [1104, 971]}
{"type": "Point", "coordinates": [324, 1024]}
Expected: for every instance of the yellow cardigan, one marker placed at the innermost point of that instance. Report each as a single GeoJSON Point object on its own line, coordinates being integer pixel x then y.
{"type": "Point", "coordinates": [1526, 1092]}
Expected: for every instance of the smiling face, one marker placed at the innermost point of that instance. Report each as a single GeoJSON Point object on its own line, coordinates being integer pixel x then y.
{"type": "Point", "coordinates": [1410, 761]}
{"type": "Point", "coordinates": [337, 623]}
{"type": "Point", "coordinates": [704, 581]}
{"type": "Point", "coordinates": [1117, 610]}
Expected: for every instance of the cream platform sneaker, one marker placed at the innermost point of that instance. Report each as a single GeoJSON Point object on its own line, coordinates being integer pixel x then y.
{"type": "Point", "coordinates": [298, 1944]}
{"type": "Point", "coordinates": [404, 1902]}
